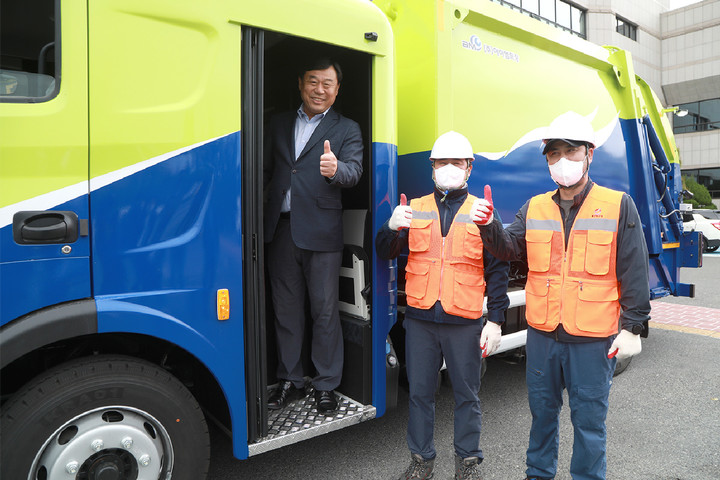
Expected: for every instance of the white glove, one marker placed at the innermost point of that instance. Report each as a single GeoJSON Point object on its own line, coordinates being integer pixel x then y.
{"type": "Point", "coordinates": [490, 338]}
{"type": "Point", "coordinates": [481, 211]}
{"type": "Point", "coordinates": [626, 344]}
{"type": "Point", "coordinates": [402, 215]}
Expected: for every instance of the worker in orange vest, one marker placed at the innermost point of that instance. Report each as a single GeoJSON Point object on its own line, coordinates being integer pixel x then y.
{"type": "Point", "coordinates": [448, 274]}
{"type": "Point", "coordinates": [587, 296]}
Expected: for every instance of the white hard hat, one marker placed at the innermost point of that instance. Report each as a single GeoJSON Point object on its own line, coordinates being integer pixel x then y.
{"type": "Point", "coordinates": [452, 145]}
{"type": "Point", "coordinates": [570, 127]}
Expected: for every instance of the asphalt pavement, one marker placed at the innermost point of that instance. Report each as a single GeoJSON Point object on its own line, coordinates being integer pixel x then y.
{"type": "Point", "coordinates": [663, 422]}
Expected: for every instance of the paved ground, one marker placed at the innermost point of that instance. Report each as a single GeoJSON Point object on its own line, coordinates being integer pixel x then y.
{"type": "Point", "coordinates": [663, 423]}
{"type": "Point", "coordinates": [699, 315]}
{"type": "Point", "coordinates": [684, 318]}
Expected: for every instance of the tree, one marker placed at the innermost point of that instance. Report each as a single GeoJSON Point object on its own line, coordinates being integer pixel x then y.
{"type": "Point", "coordinates": [702, 198]}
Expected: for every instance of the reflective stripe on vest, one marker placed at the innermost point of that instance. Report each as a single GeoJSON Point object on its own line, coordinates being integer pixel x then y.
{"type": "Point", "coordinates": [576, 286]}
{"type": "Point", "coordinates": [448, 269]}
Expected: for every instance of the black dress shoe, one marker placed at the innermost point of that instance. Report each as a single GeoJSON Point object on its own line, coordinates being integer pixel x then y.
{"type": "Point", "coordinates": [285, 392]}
{"type": "Point", "coordinates": [325, 401]}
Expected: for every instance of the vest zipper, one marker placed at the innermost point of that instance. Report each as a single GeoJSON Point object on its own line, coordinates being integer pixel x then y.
{"type": "Point", "coordinates": [442, 267]}
{"type": "Point", "coordinates": [564, 269]}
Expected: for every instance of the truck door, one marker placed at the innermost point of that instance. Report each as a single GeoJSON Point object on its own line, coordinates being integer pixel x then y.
{"type": "Point", "coordinates": [44, 243]}
{"type": "Point", "coordinates": [270, 64]}
{"type": "Point", "coordinates": [254, 293]}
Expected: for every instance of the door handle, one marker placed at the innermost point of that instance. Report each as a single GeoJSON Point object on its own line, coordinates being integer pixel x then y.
{"type": "Point", "coordinates": [45, 227]}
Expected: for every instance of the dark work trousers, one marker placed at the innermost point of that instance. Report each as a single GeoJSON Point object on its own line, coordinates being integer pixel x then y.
{"type": "Point", "coordinates": [586, 372]}
{"type": "Point", "coordinates": [292, 271]}
{"type": "Point", "coordinates": [426, 343]}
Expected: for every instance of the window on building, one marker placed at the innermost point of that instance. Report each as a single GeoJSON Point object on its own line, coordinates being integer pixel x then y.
{"type": "Point", "coordinates": [709, 177]}
{"type": "Point", "coordinates": [559, 13]}
{"type": "Point", "coordinates": [626, 28]}
{"type": "Point", "coordinates": [702, 116]}
{"type": "Point", "coordinates": [29, 50]}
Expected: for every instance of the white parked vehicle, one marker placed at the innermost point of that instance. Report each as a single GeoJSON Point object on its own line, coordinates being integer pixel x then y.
{"type": "Point", "coordinates": [707, 222]}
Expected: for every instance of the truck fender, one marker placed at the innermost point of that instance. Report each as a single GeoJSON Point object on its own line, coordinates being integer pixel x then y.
{"type": "Point", "coordinates": [46, 326]}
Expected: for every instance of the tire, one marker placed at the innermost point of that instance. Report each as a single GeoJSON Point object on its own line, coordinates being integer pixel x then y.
{"type": "Point", "coordinates": [703, 243]}
{"type": "Point", "coordinates": [712, 249]}
{"type": "Point", "coordinates": [621, 365]}
{"type": "Point", "coordinates": [104, 417]}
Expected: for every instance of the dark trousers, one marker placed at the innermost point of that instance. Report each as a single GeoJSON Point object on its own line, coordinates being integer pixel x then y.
{"type": "Point", "coordinates": [293, 271]}
{"type": "Point", "coordinates": [586, 372]}
{"type": "Point", "coordinates": [426, 343]}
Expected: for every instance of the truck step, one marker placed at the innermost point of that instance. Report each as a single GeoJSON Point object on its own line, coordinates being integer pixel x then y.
{"type": "Point", "coordinates": [300, 420]}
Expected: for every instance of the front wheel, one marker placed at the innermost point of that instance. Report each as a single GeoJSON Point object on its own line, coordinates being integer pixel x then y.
{"type": "Point", "coordinates": [104, 417]}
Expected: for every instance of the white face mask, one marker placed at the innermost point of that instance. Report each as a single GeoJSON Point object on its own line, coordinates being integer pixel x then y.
{"type": "Point", "coordinates": [449, 177]}
{"type": "Point", "coordinates": [566, 172]}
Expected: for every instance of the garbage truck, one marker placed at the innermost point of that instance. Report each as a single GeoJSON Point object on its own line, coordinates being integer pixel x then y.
{"type": "Point", "coordinates": [133, 301]}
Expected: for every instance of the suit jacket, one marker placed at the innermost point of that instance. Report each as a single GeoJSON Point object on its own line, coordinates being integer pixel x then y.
{"type": "Point", "coordinates": [316, 206]}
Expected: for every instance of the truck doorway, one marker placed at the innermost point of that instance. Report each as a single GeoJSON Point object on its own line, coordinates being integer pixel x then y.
{"type": "Point", "coordinates": [271, 62]}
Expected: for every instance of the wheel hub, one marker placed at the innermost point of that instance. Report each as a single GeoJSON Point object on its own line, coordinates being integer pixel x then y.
{"type": "Point", "coordinates": [111, 443]}
{"type": "Point", "coordinates": [111, 464]}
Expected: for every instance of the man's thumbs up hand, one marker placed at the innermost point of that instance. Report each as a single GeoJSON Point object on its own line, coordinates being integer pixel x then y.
{"type": "Point", "coordinates": [328, 162]}
{"type": "Point", "coordinates": [481, 211]}
{"type": "Point", "coordinates": [402, 215]}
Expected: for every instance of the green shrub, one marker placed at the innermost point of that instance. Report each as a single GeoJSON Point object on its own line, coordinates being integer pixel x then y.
{"type": "Point", "coordinates": [702, 198]}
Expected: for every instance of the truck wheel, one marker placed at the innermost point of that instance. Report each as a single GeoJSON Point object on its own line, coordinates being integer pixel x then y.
{"type": "Point", "coordinates": [106, 417]}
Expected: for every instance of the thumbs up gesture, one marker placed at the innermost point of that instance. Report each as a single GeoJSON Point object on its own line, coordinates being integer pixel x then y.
{"type": "Point", "coordinates": [328, 162]}
{"type": "Point", "coordinates": [402, 215]}
{"type": "Point", "coordinates": [481, 211]}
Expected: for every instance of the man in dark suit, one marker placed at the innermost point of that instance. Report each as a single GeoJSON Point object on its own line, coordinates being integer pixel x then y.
{"type": "Point", "coordinates": [310, 154]}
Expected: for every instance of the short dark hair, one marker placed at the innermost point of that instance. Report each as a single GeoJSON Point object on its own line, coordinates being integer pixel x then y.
{"type": "Point", "coordinates": [321, 63]}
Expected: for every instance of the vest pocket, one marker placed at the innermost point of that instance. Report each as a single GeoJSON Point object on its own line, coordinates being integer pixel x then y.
{"type": "Point", "coordinates": [597, 256]}
{"type": "Point", "coordinates": [536, 300]}
{"type": "Point", "coordinates": [539, 245]}
{"type": "Point", "coordinates": [473, 246]}
{"type": "Point", "coordinates": [469, 291]}
{"type": "Point", "coordinates": [597, 306]}
{"type": "Point", "coordinates": [416, 276]}
{"type": "Point", "coordinates": [578, 248]}
{"type": "Point", "coordinates": [419, 235]}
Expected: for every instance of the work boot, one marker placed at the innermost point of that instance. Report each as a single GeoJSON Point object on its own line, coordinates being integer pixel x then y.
{"type": "Point", "coordinates": [467, 468]}
{"type": "Point", "coordinates": [419, 468]}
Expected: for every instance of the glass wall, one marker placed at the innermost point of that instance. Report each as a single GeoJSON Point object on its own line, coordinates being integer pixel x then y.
{"type": "Point", "coordinates": [702, 116]}
{"type": "Point", "coordinates": [709, 177]}
{"type": "Point", "coordinates": [560, 14]}
{"type": "Point", "coordinates": [626, 29]}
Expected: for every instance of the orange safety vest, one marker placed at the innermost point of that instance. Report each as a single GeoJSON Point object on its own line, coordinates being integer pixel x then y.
{"type": "Point", "coordinates": [449, 269]}
{"type": "Point", "coordinates": [577, 286]}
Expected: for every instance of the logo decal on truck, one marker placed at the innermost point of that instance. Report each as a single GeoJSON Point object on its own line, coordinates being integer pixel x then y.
{"type": "Point", "coordinates": [477, 45]}
{"type": "Point", "coordinates": [473, 44]}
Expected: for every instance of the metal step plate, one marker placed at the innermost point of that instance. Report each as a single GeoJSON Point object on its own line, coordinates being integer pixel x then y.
{"type": "Point", "coordinates": [300, 420]}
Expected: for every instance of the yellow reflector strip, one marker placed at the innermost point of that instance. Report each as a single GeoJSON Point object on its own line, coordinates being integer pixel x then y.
{"type": "Point", "coordinates": [671, 245]}
{"type": "Point", "coordinates": [223, 304]}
